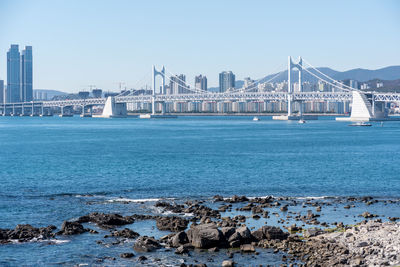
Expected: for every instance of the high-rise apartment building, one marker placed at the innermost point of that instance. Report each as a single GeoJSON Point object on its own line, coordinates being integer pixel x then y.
{"type": "Point", "coordinates": [226, 81]}
{"type": "Point", "coordinates": [13, 75]}
{"type": "Point", "coordinates": [177, 84]}
{"type": "Point", "coordinates": [26, 94]}
{"type": "Point", "coordinates": [2, 92]}
{"type": "Point", "coordinates": [200, 82]}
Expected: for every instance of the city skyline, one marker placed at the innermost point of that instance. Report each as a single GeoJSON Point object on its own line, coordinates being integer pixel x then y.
{"type": "Point", "coordinates": [256, 39]}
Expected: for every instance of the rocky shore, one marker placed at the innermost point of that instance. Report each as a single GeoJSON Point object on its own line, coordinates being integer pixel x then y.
{"type": "Point", "coordinates": [195, 226]}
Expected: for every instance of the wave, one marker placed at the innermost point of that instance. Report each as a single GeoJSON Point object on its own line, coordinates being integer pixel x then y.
{"type": "Point", "coordinates": [35, 240]}
{"type": "Point", "coordinates": [138, 200]}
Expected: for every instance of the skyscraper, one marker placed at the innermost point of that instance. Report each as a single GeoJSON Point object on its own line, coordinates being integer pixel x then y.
{"type": "Point", "coordinates": [201, 82]}
{"type": "Point", "coordinates": [226, 81]}
{"type": "Point", "coordinates": [13, 75]}
{"type": "Point", "coordinates": [26, 75]}
{"type": "Point", "coordinates": [177, 84]}
{"type": "Point", "coordinates": [2, 96]}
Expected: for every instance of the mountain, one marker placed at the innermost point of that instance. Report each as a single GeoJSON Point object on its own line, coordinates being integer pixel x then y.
{"type": "Point", "coordinates": [46, 93]}
{"type": "Point", "coordinates": [361, 75]}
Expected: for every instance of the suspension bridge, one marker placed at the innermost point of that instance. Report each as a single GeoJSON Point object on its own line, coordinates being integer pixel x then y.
{"type": "Point", "coordinates": [365, 105]}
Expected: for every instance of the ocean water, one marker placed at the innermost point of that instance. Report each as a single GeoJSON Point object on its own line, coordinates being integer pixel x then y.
{"type": "Point", "coordinates": [53, 169]}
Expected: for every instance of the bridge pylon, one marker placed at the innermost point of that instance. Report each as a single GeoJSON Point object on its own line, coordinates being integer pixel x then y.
{"type": "Point", "coordinates": [155, 73]}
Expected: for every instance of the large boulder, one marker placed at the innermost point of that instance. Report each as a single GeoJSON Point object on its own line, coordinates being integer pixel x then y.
{"type": "Point", "coordinates": [270, 233]}
{"type": "Point", "coordinates": [71, 228]}
{"type": "Point", "coordinates": [242, 235]}
{"type": "Point", "coordinates": [173, 223]}
{"type": "Point", "coordinates": [146, 244]}
{"type": "Point", "coordinates": [205, 236]}
{"type": "Point", "coordinates": [179, 239]}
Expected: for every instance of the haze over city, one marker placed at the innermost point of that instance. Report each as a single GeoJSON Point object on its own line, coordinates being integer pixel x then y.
{"type": "Point", "coordinates": [103, 43]}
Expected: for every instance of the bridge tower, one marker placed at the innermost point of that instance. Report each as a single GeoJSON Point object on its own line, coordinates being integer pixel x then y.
{"type": "Point", "coordinates": [154, 76]}
{"type": "Point", "coordinates": [299, 67]}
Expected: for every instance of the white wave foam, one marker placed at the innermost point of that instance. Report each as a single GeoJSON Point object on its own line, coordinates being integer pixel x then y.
{"type": "Point", "coordinates": [35, 240]}
{"type": "Point", "coordinates": [138, 200]}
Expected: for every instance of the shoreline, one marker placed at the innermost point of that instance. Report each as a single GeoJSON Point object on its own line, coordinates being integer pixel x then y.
{"type": "Point", "coordinates": [230, 228]}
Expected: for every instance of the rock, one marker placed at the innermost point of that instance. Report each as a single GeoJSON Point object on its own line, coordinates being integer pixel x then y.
{"type": "Point", "coordinates": [218, 198]}
{"type": "Point", "coordinates": [173, 223]}
{"type": "Point", "coordinates": [214, 249]}
{"type": "Point", "coordinates": [310, 232]}
{"type": "Point", "coordinates": [257, 209]}
{"type": "Point", "coordinates": [269, 233]}
{"type": "Point", "coordinates": [362, 244]}
{"type": "Point", "coordinates": [205, 236]}
{"type": "Point", "coordinates": [241, 234]}
{"type": "Point", "coordinates": [106, 220]}
{"type": "Point", "coordinates": [227, 231]}
{"type": "Point", "coordinates": [237, 199]}
{"type": "Point", "coordinates": [181, 250]}
{"type": "Point", "coordinates": [126, 255]}
{"type": "Point", "coordinates": [247, 248]}
{"type": "Point", "coordinates": [284, 208]}
{"type": "Point", "coordinates": [26, 232]}
{"type": "Point", "coordinates": [367, 215]}
{"type": "Point", "coordinates": [318, 209]}
{"type": "Point", "coordinates": [179, 239]}
{"type": "Point", "coordinates": [228, 263]}
{"type": "Point", "coordinates": [146, 244]}
{"type": "Point", "coordinates": [347, 207]}
{"type": "Point", "coordinates": [71, 228]}
{"type": "Point", "coordinates": [142, 258]}
{"type": "Point", "coordinates": [127, 233]}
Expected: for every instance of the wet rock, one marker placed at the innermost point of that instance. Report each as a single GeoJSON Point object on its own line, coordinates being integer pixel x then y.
{"type": "Point", "coordinates": [284, 208]}
{"type": "Point", "coordinates": [228, 263]}
{"type": "Point", "coordinates": [347, 207]}
{"type": "Point", "coordinates": [173, 223]}
{"type": "Point", "coordinates": [126, 255]}
{"type": "Point", "coordinates": [237, 199]}
{"type": "Point", "coordinates": [142, 258]}
{"type": "Point", "coordinates": [257, 209]}
{"type": "Point", "coordinates": [269, 233]}
{"type": "Point", "coordinates": [146, 244]}
{"type": "Point", "coordinates": [218, 198]}
{"type": "Point", "coordinates": [214, 249]}
{"type": "Point", "coordinates": [181, 250]}
{"type": "Point", "coordinates": [179, 239]}
{"type": "Point", "coordinates": [368, 215]}
{"type": "Point", "coordinates": [205, 236]}
{"type": "Point", "coordinates": [26, 232]}
{"type": "Point", "coordinates": [106, 220]}
{"type": "Point", "coordinates": [126, 233]}
{"type": "Point", "coordinates": [247, 248]}
{"type": "Point", "coordinates": [71, 228]}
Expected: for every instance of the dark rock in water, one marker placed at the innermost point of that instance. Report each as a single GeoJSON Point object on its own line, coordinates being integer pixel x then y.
{"type": "Point", "coordinates": [247, 248]}
{"type": "Point", "coordinates": [218, 198]}
{"type": "Point", "coordinates": [205, 236]}
{"type": "Point", "coordinates": [142, 258]}
{"type": "Point", "coordinates": [179, 239]}
{"type": "Point", "coordinates": [106, 220]}
{"type": "Point", "coordinates": [170, 207]}
{"type": "Point", "coordinates": [347, 207]}
{"type": "Point", "coordinates": [172, 223]}
{"type": "Point", "coordinates": [228, 231]}
{"type": "Point", "coordinates": [367, 215]}
{"type": "Point", "coordinates": [257, 209]}
{"type": "Point", "coordinates": [214, 249]}
{"type": "Point", "coordinates": [71, 228]}
{"type": "Point", "coordinates": [284, 208]}
{"type": "Point", "coordinates": [126, 255]}
{"type": "Point", "coordinates": [127, 233]}
{"type": "Point", "coordinates": [26, 232]}
{"type": "Point", "coordinates": [237, 199]}
{"type": "Point", "coordinates": [181, 250]}
{"type": "Point", "coordinates": [201, 211]}
{"type": "Point", "coordinates": [393, 219]}
{"type": "Point", "coordinates": [146, 244]}
{"type": "Point", "coordinates": [269, 233]}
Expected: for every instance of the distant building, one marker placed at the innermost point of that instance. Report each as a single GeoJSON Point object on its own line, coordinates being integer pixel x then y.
{"type": "Point", "coordinates": [201, 82]}
{"type": "Point", "coordinates": [248, 82]}
{"type": "Point", "coordinates": [2, 92]}
{"type": "Point", "coordinates": [26, 94]}
{"type": "Point", "coordinates": [97, 93]}
{"type": "Point", "coordinates": [177, 84]}
{"type": "Point", "coordinates": [379, 84]}
{"type": "Point", "coordinates": [226, 81]}
{"type": "Point", "coordinates": [13, 75]}
{"type": "Point", "coordinates": [83, 94]}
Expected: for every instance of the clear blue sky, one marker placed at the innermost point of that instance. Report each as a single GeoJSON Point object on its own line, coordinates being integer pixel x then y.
{"type": "Point", "coordinates": [78, 43]}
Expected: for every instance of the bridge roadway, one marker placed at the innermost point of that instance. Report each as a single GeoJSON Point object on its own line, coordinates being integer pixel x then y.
{"type": "Point", "coordinates": [236, 96]}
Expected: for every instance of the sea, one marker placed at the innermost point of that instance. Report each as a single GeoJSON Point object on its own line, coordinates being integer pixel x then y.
{"type": "Point", "coordinates": [54, 169]}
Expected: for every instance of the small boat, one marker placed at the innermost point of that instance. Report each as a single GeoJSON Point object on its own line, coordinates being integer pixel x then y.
{"type": "Point", "coordinates": [360, 123]}
{"type": "Point", "coordinates": [256, 119]}
{"type": "Point", "coordinates": [301, 121]}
